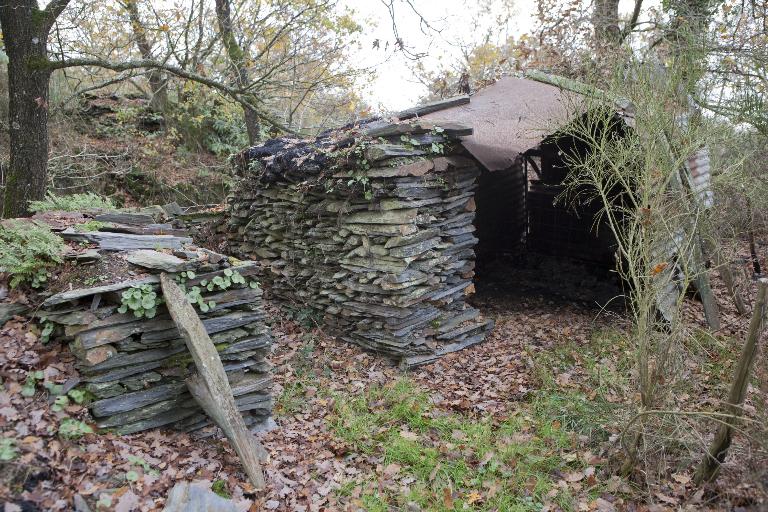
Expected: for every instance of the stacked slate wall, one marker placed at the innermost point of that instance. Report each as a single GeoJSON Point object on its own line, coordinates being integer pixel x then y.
{"type": "Point", "coordinates": [372, 230]}
{"type": "Point", "coordinates": [134, 367]}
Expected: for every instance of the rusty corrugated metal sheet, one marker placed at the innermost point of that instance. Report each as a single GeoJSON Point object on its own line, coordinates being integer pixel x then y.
{"type": "Point", "coordinates": [510, 117]}
{"type": "Point", "coordinates": [698, 168]}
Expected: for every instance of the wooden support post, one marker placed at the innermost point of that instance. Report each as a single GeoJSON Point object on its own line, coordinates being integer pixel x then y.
{"type": "Point", "coordinates": [710, 465]}
{"type": "Point", "coordinates": [701, 282]}
{"type": "Point", "coordinates": [726, 274]}
{"type": "Point", "coordinates": [210, 386]}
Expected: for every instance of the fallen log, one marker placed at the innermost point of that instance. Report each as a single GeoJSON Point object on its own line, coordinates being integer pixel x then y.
{"type": "Point", "coordinates": [210, 386]}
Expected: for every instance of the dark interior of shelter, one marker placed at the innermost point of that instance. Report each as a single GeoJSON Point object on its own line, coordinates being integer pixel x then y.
{"type": "Point", "coordinates": [532, 241]}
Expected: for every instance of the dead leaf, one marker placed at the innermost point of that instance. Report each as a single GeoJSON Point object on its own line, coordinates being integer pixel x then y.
{"type": "Point", "coordinates": [575, 476]}
{"type": "Point", "coordinates": [666, 499]}
{"type": "Point", "coordinates": [474, 497]}
{"type": "Point", "coordinates": [447, 498]}
{"type": "Point", "coordinates": [392, 469]}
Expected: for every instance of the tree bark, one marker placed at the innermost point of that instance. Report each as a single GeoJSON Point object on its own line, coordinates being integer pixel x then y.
{"type": "Point", "coordinates": [157, 82]}
{"type": "Point", "coordinates": [239, 60]}
{"type": "Point", "coordinates": [25, 33]}
{"type": "Point", "coordinates": [605, 19]}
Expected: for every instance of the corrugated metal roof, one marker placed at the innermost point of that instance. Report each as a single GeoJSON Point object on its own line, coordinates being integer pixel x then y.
{"type": "Point", "coordinates": [510, 117]}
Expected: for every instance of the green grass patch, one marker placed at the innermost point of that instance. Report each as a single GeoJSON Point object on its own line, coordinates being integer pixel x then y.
{"type": "Point", "coordinates": [293, 397]}
{"type": "Point", "coordinates": [446, 461]}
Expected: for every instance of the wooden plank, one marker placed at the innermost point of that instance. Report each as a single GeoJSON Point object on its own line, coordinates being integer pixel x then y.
{"type": "Point", "coordinates": [710, 465]}
{"type": "Point", "coordinates": [210, 386]}
{"type": "Point", "coordinates": [726, 274]}
{"type": "Point", "coordinates": [393, 129]}
{"type": "Point", "coordinates": [701, 282]}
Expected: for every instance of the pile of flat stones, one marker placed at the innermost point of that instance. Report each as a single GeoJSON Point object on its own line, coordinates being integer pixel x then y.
{"type": "Point", "coordinates": [371, 230]}
{"type": "Point", "coordinates": [134, 366]}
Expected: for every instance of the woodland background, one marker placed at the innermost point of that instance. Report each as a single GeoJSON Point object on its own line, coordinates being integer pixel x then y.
{"type": "Point", "coordinates": [144, 102]}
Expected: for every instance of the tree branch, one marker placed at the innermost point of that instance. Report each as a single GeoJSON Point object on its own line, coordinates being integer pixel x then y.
{"type": "Point", "coordinates": [53, 10]}
{"type": "Point", "coordinates": [632, 23]}
{"type": "Point", "coordinates": [244, 98]}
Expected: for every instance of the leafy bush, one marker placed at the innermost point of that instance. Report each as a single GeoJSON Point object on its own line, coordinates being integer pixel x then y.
{"type": "Point", "coordinates": [71, 203]}
{"type": "Point", "coordinates": [204, 121]}
{"type": "Point", "coordinates": [27, 250]}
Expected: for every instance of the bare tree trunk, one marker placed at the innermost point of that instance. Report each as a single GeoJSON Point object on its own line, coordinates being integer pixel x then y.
{"type": "Point", "coordinates": [605, 19]}
{"type": "Point", "coordinates": [157, 82]}
{"type": "Point", "coordinates": [238, 58]}
{"type": "Point", "coordinates": [710, 466]}
{"type": "Point", "coordinates": [25, 33]}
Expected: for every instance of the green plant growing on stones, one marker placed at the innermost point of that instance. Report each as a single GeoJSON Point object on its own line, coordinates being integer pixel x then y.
{"type": "Point", "coordinates": [60, 403]}
{"type": "Point", "coordinates": [27, 251]}
{"type": "Point", "coordinates": [195, 297]}
{"type": "Point", "coordinates": [363, 181]}
{"type": "Point", "coordinates": [185, 276]}
{"type": "Point", "coordinates": [437, 148]}
{"type": "Point", "coordinates": [141, 300]}
{"type": "Point", "coordinates": [90, 281]}
{"type": "Point", "coordinates": [71, 203]}
{"type": "Point", "coordinates": [138, 461]}
{"type": "Point", "coordinates": [224, 281]}
{"type": "Point", "coordinates": [53, 388]}
{"type": "Point", "coordinates": [78, 395]}
{"type": "Point", "coordinates": [408, 141]}
{"type": "Point", "coordinates": [360, 164]}
{"type": "Point", "coordinates": [29, 387]}
{"type": "Point", "coordinates": [62, 400]}
{"type": "Point", "coordinates": [73, 429]}
{"type": "Point", "coordinates": [46, 331]}
{"type": "Point", "coordinates": [8, 450]}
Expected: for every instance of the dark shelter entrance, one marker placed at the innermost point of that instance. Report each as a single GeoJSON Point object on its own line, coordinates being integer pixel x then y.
{"type": "Point", "coordinates": [530, 239]}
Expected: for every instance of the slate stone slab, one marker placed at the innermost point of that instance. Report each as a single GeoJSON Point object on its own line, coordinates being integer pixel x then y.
{"type": "Point", "coordinates": [8, 310]}
{"type": "Point", "coordinates": [156, 260]}
{"type": "Point", "coordinates": [131, 401]}
{"type": "Point", "coordinates": [127, 242]}
{"type": "Point", "coordinates": [188, 497]}
{"type": "Point", "coordinates": [72, 295]}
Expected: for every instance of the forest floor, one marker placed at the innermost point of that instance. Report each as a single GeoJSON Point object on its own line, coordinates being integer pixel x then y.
{"type": "Point", "coordinates": [531, 419]}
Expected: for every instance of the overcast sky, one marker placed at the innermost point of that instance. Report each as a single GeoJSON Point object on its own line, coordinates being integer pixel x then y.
{"type": "Point", "coordinates": [453, 23]}
{"type": "Point", "coordinates": [458, 22]}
